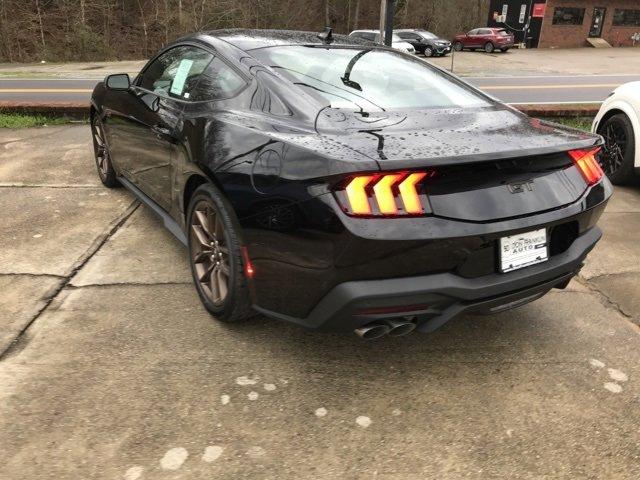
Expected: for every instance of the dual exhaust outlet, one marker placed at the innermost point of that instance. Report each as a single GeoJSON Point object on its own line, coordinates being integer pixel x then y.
{"type": "Point", "coordinates": [394, 328]}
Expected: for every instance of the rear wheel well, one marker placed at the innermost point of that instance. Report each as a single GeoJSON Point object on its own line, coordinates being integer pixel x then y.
{"type": "Point", "coordinates": [192, 184]}
{"type": "Point", "coordinates": [608, 115]}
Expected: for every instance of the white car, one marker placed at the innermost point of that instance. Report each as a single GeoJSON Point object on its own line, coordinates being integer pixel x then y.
{"type": "Point", "coordinates": [618, 121]}
{"type": "Point", "coordinates": [374, 37]}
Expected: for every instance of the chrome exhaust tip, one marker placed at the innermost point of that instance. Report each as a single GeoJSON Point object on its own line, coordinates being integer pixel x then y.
{"type": "Point", "coordinates": [398, 328]}
{"type": "Point", "coordinates": [371, 331]}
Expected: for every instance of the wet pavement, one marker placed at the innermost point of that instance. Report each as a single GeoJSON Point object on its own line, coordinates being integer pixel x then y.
{"type": "Point", "coordinates": [110, 368]}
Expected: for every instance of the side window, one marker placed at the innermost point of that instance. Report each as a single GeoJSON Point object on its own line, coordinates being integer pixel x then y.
{"type": "Point", "coordinates": [473, 32]}
{"type": "Point", "coordinates": [368, 36]}
{"type": "Point", "coordinates": [175, 73]}
{"type": "Point", "coordinates": [218, 80]}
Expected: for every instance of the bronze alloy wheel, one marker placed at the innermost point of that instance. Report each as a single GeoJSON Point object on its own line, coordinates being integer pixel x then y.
{"type": "Point", "coordinates": [101, 150]}
{"type": "Point", "coordinates": [102, 154]}
{"type": "Point", "coordinates": [210, 253]}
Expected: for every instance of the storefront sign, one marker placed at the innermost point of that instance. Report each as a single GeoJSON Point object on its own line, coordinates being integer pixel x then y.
{"type": "Point", "coordinates": [538, 10]}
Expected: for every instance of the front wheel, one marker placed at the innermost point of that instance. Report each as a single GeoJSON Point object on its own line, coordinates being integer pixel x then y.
{"type": "Point", "coordinates": [101, 153]}
{"type": "Point", "coordinates": [457, 46]}
{"type": "Point", "coordinates": [489, 47]}
{"type": "Point", "coordinates": [215, 256]}
{"type": "Point", "coordinates": [428, 52]}
{"type": "Point", "coordinates": [617, 159]}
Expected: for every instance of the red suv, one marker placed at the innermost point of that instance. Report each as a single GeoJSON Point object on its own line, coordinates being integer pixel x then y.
{"type": "Point", "coordinates": [488, 39]}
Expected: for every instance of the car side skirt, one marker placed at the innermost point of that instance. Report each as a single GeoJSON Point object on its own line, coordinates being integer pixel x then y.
{"type": "Point", "coordinates": [169, 223]}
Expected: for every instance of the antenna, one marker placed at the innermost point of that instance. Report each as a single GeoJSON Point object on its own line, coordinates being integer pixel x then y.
{"type": "Point", "coordinates": [326, 36]}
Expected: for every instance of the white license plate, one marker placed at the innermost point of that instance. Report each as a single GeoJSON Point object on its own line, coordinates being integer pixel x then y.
{"type": "Point", "coordinates": [523, 249]}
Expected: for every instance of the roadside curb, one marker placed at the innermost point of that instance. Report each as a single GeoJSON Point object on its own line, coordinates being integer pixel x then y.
{"type": "Point", "coordinates": [560, 110]}
{"type": "Point", "coordinates": [81, 109]}
{"type": "Point", "coordinates": [53, 109]}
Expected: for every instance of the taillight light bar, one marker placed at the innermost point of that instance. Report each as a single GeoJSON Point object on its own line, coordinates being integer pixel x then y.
{"type": "Point", "coordinates": [393, 194]}
{"type": "Point", "coordinates": [588, 165]}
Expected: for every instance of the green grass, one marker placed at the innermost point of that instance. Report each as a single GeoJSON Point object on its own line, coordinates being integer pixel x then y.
{"type": "Point", "coordinates": [20, 120]}
{"type": "Point", "coordinates": [581, 123]}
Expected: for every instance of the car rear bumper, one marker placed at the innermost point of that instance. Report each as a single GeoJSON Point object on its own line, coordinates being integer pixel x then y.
{"type": "Point", "coordinates": [437, 298]}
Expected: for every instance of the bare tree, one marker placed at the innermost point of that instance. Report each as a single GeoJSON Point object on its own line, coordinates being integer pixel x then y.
{"type": "Point", "coordinates": [356, 16]}
{"type": "Point", "coordinates": [120, 29]}
{"type": "Point", "coordinates": [144, 27]}
{"type": "Point", "coordinates": [40, 26]}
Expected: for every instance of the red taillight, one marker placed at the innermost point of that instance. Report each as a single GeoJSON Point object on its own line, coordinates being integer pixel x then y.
{"type": "Point", "coordinates": [388, 194]}
{"type": "Point", "coordinates": [588, 165]}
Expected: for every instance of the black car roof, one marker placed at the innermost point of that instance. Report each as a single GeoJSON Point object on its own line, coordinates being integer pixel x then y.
{"type": "Point", "coordinates": [248, 39]}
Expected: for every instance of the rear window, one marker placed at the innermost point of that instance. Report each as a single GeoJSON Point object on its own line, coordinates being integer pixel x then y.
{"type": "Point", "coordinates": [370, 79]}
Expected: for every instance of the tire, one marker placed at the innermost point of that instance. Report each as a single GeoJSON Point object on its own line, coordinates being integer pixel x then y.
{"type": "Point", "coordinates": [489, 47]}
{"type": "Point", "coordinates": [428, 52]}
{"type": "Point", "coordinates": [222, 286]}
{"type": "Point", "coordinates": [457, 46]}
{"type": "Point", "coordinates": [101, 154]}
{"type": "Point", "coordinates": [617, 159]}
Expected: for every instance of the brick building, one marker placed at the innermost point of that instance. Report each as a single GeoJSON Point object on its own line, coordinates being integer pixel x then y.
{"type": "Point", "coordinates": [568, 23]}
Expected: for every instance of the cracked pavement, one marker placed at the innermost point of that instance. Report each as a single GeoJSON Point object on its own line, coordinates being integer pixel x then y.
{"type": "Point", "coordinates": [110, 368]}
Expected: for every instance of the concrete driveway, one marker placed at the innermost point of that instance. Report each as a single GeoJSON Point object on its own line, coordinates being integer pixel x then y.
{"type": "Point", "coordinates": [110, 368]}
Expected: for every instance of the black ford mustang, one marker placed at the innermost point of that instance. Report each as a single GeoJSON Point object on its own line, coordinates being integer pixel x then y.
{"type": "Point", "coordinates": [346, 186]}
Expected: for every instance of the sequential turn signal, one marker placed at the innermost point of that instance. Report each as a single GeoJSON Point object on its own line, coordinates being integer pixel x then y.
{"type": "Point", "coordinates": [384, 194]}
{"type": "Point", "coordinates": [388, 194]}
{"type": "Point", "coordinates": [410, 194]}
{"type": "Point", "coordinates": [358, 198]}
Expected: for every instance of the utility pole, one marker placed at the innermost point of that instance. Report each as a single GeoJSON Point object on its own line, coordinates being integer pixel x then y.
{"type": "Point", "coordinates": [387, 9]}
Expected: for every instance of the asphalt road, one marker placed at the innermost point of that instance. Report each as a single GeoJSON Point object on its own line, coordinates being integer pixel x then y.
{"type": "Point", "coordinates": [551, 89]}
{"type": "Point", "coordinates": [527, 89]}
{"type": "Point", "coordinates": [111, 369]}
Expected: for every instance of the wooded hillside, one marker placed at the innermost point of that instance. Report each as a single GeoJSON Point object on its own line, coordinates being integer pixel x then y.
{"type": "Point", "coordinates": [67, 30]}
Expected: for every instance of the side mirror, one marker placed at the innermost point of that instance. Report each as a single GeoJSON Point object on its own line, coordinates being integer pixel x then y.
{"type": "Point", "coordinates": [118, 81]}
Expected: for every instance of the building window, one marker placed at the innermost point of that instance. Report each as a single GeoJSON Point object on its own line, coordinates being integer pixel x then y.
{"type": "Point", "coordinates": [626, 18]}
{"type": "Point", "coordinates": [568, 16]}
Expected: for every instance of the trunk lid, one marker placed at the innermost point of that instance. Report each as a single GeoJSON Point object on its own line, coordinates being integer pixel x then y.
{"type": "Point", "coordinates": [490, 163]}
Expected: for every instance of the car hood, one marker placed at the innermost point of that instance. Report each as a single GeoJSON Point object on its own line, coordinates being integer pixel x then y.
{"type": "Point", "coordinates": [431, 137]}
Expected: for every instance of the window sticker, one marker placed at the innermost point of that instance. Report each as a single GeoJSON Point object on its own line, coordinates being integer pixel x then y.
{"type": "Point", "coordinates": [181, 77]}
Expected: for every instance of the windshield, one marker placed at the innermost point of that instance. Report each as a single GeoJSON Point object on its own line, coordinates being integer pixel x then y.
{"type": "Point", "coordinates": [503, 33]}
{"type": "Point", "coordinates": [369, 79]}
{"type": "Point", "coordinates": [427, 35]}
